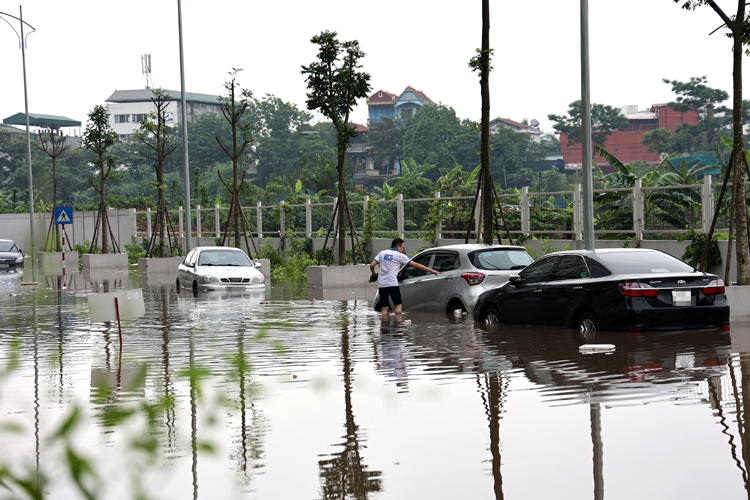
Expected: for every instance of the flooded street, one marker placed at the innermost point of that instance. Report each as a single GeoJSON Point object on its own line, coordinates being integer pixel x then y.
{"type": "Point", "coordinates": [283, 393]}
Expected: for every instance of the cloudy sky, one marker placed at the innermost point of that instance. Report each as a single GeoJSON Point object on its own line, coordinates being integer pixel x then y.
{"type": "Point", "coordinates": [83, 50]}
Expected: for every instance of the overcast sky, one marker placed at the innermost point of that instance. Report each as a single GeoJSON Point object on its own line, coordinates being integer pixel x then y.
{"type": "Point", "coordinates": [83, 50]}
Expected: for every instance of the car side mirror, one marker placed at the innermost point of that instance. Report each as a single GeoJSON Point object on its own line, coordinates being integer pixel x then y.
{"type": "Point", "coordinates": [257, 264]}
{"type": "Point", "coordinates": [515, 279]}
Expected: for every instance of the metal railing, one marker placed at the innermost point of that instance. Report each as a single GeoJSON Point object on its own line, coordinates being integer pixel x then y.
{"type": "Point", "coordinates": [632, 211]}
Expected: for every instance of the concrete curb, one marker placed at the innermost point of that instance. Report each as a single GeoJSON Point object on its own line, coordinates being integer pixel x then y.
{"type": "Point", "coordinates": [739, 303]}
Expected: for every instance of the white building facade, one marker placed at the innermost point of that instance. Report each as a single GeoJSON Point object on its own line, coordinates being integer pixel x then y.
{"type": "Point", "coordinates": [128, 107]}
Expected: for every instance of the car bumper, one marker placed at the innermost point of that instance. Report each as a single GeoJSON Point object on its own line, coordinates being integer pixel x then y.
{"type": "Point", "coordinates": [641, 316]}
{"type": "Point", "coordinates": [222, 287]}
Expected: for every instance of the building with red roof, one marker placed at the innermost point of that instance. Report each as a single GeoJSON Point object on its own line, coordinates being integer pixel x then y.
{"type": "Point", "coordinates": [383, 103]}
{"type": "Point", "coordinates": [626, 144]}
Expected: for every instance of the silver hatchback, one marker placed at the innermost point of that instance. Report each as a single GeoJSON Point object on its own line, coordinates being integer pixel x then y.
{"type": "Point", "coordinates": [467, 271]}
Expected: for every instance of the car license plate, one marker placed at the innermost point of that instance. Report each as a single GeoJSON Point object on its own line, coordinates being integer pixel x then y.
{"type": "Point", "coordinates": [4, 265]}
{"type": "Point", "coordinates": [681, 298]}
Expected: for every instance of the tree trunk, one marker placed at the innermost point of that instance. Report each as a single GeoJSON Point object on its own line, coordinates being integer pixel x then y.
{"type": "Point", "coordinates": [740, 206]}
{"type": "Point", "coordinates": [342, 207]}
{"type": "Point", "coordinates": [484, 80]}
{"type": "Point", "coordinates": [161, 217]}
{"type": "Point", "coordinates": [103, 206]}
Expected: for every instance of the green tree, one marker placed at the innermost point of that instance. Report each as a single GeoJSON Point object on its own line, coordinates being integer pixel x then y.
{"type": "Point", "coordinates": [698, 97]}
{"type": "Point", "coordinates": [98, 138]}
{"type": "Point", "coordinates": [513, 158]}
{"type": "Point", "coordinates": [335, 82]}
{"type": "Point", "coordinates": [604, 121]}
{"type": "Point", "coordinates": [738, 29]}
{"type": "Point", "coordinates": [154, 139]}
{"type": "Point", "coordinates": [278, 139]}
{"type": "Point", "coordinates": [233, 107]}
{"type": "Point", "coordinates": [657, 141]}
{"type": "Point", "coordinates": [437, 136]}
{"type": "Point", "coordinates": [386, 140]}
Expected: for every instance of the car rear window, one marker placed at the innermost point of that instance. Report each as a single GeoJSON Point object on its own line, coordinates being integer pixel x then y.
{"type": "Point", "coordinates": [500, 259]}
{"type": "Point", "coordinates": [643, 263]}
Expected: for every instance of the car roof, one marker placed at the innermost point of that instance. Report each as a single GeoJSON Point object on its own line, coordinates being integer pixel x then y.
{"type": "Point", "coordinates": [470, 247]}
{"type": "Point", "coordinates": [219, 248]}
{"type": "Point", "coordinates": [604, 251]}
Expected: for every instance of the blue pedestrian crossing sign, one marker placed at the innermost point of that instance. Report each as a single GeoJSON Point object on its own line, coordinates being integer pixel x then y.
{"type": "Point", "coordinates": [63, 215]}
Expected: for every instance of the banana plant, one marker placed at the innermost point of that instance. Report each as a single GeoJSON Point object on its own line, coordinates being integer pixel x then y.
{"type": "Point", "coordinates": [616, 210]}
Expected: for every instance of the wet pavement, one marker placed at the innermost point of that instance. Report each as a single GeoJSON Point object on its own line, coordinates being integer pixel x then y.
{"type": "Point", "coordinates": [289, 393]}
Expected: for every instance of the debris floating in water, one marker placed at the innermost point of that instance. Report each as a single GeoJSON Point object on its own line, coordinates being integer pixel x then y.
{"type": "Point", "coordinates": [592, 348]}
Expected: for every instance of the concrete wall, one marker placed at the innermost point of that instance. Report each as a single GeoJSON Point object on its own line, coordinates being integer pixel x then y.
{"type": "Point", "coordinates": [17, 227]}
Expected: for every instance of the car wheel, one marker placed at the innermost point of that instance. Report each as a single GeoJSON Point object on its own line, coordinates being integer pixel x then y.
{"type": "Point", "coordinates": [195, 286]}
{"type": "Point", "coordinates": [587, 325]}
{"type": "Point", "coordinates": [178, 285]}
{"type": "Point", "coordinates": [491, 316]}
{"type": "Point", "coordinates": [455, 311]}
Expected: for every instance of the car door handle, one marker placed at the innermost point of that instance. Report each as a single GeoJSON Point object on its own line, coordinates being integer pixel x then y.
{"type": "Point", "coordinates": [577, 288]}
{"type": "Point", "coordinates": [538, 290]}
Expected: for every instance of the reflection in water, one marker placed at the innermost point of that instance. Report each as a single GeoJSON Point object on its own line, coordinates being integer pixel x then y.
{"type": "Point", "coordinates": [345, 474]}
{"type": "Point", "coordinates": [392, 345]}
{"type": "Point", "coordinates": [492, 398]}
{"type": "Point", "coordinates": [680, 397]}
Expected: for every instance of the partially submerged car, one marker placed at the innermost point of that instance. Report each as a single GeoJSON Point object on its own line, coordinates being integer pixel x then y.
{"type": "Point", "coordinates": [11, 257]}
{"type": "Point", "coordinates": [219, 268]}
{"type": "Point", "coordinates": [629, 289]}
{"type": "Point", "coordinates": [467, 271]}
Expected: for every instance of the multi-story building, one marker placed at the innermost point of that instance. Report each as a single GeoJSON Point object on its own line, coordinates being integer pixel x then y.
{"type": "Point", "coordinates": [383, 103]}
{"type": "Point", "coordinates": [626, 144]}
{"type": "Point", "coordinates": [128, 107]}
{"type": "Point", "coordinates": [521, 128]}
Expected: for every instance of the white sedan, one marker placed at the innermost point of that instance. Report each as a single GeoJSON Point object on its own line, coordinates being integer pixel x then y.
{"type": "Point", "coordinates": [218, 268]}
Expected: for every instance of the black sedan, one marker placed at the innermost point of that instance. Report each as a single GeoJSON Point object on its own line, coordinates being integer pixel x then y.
{"type": "Point", "coordinates": [629, 289]}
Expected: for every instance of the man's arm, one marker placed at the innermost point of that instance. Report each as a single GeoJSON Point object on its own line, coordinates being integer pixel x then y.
{"type": "Point", "coordinates": [423, 268]}
{"type": "Point", "coordinates": [372, 266]}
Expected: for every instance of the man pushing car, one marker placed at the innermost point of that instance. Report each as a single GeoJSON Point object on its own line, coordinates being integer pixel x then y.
{"type": "Point", "coordinates": [390, 262]}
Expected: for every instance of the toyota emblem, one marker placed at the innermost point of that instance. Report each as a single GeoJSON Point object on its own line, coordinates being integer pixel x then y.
{"type": "Point", "coordinates": [681, 282]}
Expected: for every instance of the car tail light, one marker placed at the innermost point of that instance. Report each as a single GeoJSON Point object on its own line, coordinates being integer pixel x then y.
{"type": "Point", "coordinates": [638, 290]}
{"type": "Point", "coordinates": [473, 278]}
{"type": "Point", "coordinates": [716, 286]}
{"type": "Point", "coordinates": [726, 326]}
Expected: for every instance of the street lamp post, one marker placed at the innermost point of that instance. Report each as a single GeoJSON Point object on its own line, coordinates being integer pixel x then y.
{"type": "Point", "coordinates": [186, 168]}
{"type": "Point", "coordinates": [22, 43]}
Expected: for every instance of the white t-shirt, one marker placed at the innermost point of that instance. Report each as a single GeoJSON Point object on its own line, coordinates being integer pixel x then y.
{"type": "Point", "coordinates": [390, 262]}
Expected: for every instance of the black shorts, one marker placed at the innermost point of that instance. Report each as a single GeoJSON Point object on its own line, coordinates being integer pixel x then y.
{"type": "Point", "coordinates": [393, 292]}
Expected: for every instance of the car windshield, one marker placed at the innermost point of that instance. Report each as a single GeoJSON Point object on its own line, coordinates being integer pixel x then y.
{"type": "Point", "coordinates": [500, 259]}
{"type": "Point", "coordinates": [8, 246]}
{"type": "Point", "coordinates": [643, 263]}
{"type": "Point", "coordinates": [223, 258]}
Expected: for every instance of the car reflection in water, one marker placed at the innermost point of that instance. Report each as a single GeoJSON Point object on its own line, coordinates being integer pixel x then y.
{"type": "Point", "coordinates": [629, 289]}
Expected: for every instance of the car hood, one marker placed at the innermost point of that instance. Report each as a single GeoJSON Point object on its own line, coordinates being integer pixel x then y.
{"type": "Point", "coordinates": [9, 255]}
{"type": "Point", "coordinates": [229, 271]}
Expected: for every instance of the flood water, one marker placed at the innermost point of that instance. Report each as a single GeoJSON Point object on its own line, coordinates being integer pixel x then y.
{"type": "Point", "coordinates": [283, 393]}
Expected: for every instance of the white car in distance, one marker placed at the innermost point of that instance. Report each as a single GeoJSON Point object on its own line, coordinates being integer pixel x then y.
{"type": "Point", "coordinates": [219, 268]}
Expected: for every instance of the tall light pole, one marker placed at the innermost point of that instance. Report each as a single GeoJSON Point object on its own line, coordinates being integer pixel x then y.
{"type": "Point", "coordinates": [22, 43]}
{"type": "Point", "coordinates": [189, 240]}
{"type": "Point", "coordinates": [588, 182]}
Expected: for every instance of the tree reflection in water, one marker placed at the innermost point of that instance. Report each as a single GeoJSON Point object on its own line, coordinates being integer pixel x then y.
{"type": "Point", "coordinates": [345, 474]}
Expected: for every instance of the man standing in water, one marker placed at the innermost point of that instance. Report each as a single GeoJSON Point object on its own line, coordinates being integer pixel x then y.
{"type": "Point", "coordinates": [390, 262]}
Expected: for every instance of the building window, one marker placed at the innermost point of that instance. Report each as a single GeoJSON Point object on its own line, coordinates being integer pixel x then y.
{"type": "Point", "coordinates": [122, 118]}
{"type": "Point", "coordinates": [169, 116]}
{"type": "Point", "coordinates": [407, 113]}
{"type": "Point", "coordinates": [139, 117]}
{"type": "Point", "coordinates": [123, 137]}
